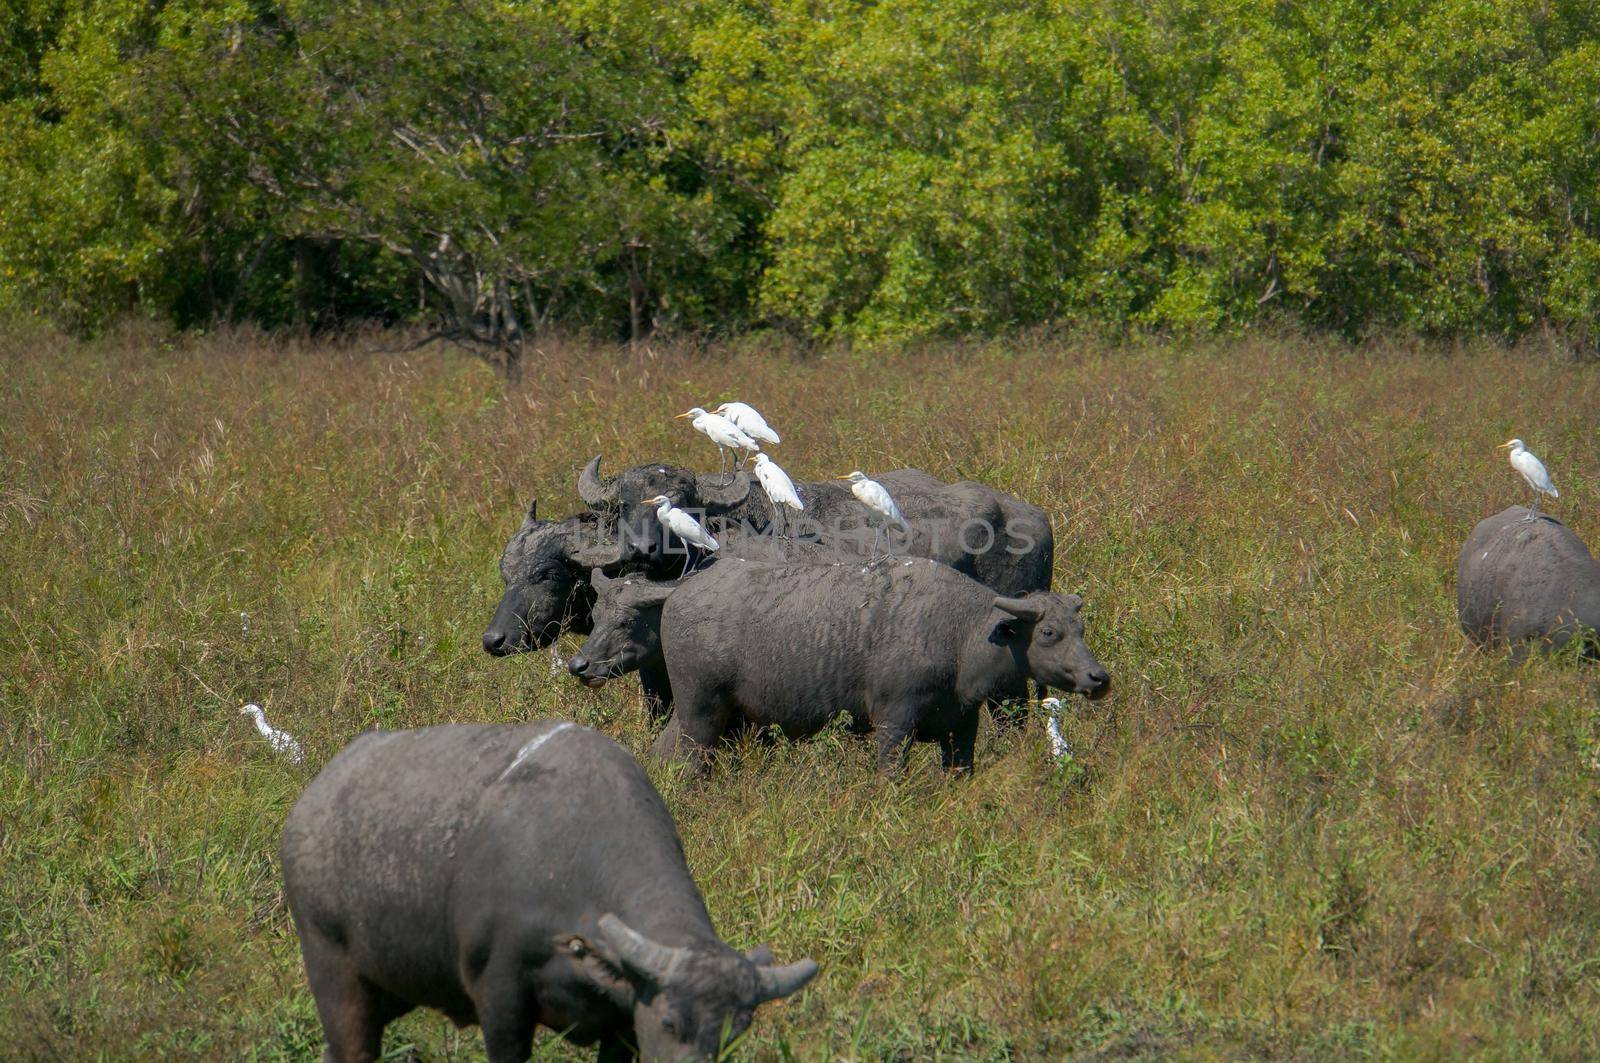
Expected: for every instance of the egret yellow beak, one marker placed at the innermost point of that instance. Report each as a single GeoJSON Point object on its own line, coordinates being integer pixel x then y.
{"type": "Point", "coordinates": [678, 415]}
{"type": "Point", "coordinates": [1502, 446]}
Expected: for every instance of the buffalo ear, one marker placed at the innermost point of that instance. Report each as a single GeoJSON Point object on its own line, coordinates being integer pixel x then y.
{"type": "Point", "coordinates": [1003, 627]}
{"type": "Point", "coordinates": [761, 956]}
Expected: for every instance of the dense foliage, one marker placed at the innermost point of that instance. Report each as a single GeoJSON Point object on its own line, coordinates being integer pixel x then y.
{"type": "Point", "coordinates": [867, 170]}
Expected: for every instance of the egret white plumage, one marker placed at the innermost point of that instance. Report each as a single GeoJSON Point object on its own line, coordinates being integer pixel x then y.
{"type": "Point", "coordinates": [749, 421]}
{"type": "Point", "coordinates": [1059, 750]}
{"type": "Point", "coordinates": [776, 483]}
{"type": "Point", "coordinates": [282, 742]}
{"type": "Point", "coordinates": [1533, 471]}
{"type": "Point", "coordinates": [682, 525]}
{"type": "Point", "coordinates": [721, 431]}
{"type": "Point", "coordinates": [875, 497]}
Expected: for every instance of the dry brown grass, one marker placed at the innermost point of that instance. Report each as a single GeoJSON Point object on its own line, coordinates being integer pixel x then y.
{"type": "Point", "coordinates": [1309, 822]}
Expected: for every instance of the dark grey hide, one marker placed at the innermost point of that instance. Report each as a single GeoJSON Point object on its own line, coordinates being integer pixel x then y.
{"type": "Point", "coordinates": [999, 540]}
{"type": "Point", "coordinates": [1526, 584]}
{"type": "Point", "coordinates": [547, 589]}
{"type": "Point", "coordinates": [910, 648]}
{"type": "Point", "coordinates": [510, 876]}
{"type": "Point", "coordinates": [625, 632]}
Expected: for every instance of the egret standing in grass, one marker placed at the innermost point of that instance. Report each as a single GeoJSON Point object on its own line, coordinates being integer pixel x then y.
{"type": "Point", "coordinates": [282, 742]}
{"type": "Point", "coordinates": [723, 432]}
{"type": "Point", "coordinates": [1533, 471]}
{"type": "Point", "coordinates": [875, 497]}
{"type": "Point", "coordinates": [682, 525]}
{"type": "Point", "coordinates": [776, 483]}
{"type": "Point", "coordinates": [749, 421]}
{"type": "Point", "coordinates": [1060, 752]}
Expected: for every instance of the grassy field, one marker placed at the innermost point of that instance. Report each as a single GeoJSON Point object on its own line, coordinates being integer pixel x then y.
{"type": "Point", "coordinates": [1310, 821]}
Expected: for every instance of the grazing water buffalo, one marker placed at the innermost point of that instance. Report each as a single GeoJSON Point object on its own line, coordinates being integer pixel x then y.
{"type": "Point", "coordinates": [547, 588]}
{"type": "Point", "coordinates": [511, 876]}
{"type": "Point", "coordinates": [999, 540]}
{"type": "Point", "coordinates": [1526, 583]}
{"type": "Point", "coordinates": [910, 648]}
{"type": "Point", "coordinates": [625, 633]}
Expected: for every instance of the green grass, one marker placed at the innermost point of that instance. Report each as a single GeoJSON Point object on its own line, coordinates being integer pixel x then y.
{"type": "Point", "coordinates": [1310, 821]}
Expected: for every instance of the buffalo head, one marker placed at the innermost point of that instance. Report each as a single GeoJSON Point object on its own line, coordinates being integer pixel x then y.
{"type": "Point", "coordinates": [626, 629]}
{"type": "Point", "coordinates": [1045, 629]}
{"type": "Point", "coordinates": [547, 588]}
{"type": "Point", "coordinates": [688, 1002]}
{"type": "Point", "coordinates": [641, 541]}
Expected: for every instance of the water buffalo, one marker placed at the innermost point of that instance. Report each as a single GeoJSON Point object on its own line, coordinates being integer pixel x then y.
{"type": "Point", "coordinates": [625, 631]}
{"type": "Point", "coordinates": [1526, 583]}
{"type": "Point", "coordinates": [510, 876]}
{"type": "Point", "coordinates": [999, 540]}
{"type": "Point", "coordinates": [910, 648]}
{"type": "Point", "coordinates": [547, 588]}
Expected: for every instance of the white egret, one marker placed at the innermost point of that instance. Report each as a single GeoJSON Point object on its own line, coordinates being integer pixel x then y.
{"type": "Point", "coordinates": [682, 525]}
{"type": "Point", "coordinates": [776, 483]}
{"type": "Point", "coordinates": [1059, 750]}
{"type": "Point", "coordinates": [749, 421]}
{"type": "Point", "coordinates": [1533, 471]}
{"type": "Point", "coordinates": [282, 742]}
{"type": "Point", "coordinates": [875, 497]}
{"type": "Point", "coordinates": [721, 431]}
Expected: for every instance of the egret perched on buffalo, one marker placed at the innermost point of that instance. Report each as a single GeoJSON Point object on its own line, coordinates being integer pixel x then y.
{"type": "Point", "coordinates": [1533, 471]}
{"type": "Point", "coordinates": [723, 432]}
{"type": "Point", "coordinates": [776, 483]}
{"type": "Point", "coordinates": [875, 497]}
{"type": "Point", "coordinates": [682, 525]}
{"type": "Point", "coordinates": [749, 421]}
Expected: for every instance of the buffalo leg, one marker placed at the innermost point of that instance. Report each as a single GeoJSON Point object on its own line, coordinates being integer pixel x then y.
{"type": "Point", "coordinates": [353, 1013]}
{"type": "Point", "coordinates": [957, 746]}
{"type": "Point", "coordinates": [698, 722]}
{"type": "Point", "coordinates": [894, 742]}
{"type": "Point", "coordinates": [507, 1030]}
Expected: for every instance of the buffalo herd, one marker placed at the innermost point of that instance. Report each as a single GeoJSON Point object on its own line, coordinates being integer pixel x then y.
{"type": "Point", "coordinates": [522, 875]}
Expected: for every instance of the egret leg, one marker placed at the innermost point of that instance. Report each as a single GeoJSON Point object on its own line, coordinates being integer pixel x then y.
{"type": "Point", "coordinates": [1533, 510]}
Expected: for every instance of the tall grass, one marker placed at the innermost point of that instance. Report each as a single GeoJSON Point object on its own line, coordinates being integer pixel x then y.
{"type": "Point", "coordinates": [1310, 820]}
